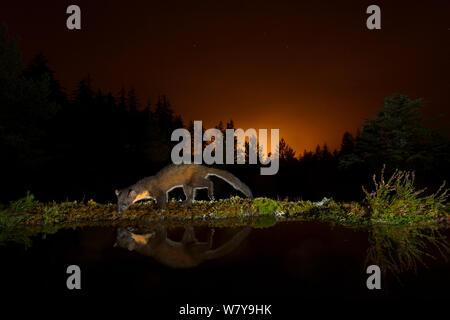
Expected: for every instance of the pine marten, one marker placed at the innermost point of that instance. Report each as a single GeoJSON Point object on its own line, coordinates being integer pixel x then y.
{"type": "Point", "coordinates": [188, 176]}
{"type": "Point", "coordinates": [187, 253]}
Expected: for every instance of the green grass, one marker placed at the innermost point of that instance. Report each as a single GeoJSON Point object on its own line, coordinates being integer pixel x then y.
{"type": "Point", "coordinates": [23, 204]}
{"type": "Point", "coordinates": [393, 201]}
{"type": "Point", "coordinates": [6, 221]}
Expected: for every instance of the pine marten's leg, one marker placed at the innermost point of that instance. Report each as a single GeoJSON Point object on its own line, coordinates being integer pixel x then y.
{"type": "Point", "coordinates": [203, 183]}
{"type": "Point", "coordinates": [210, 189]}
{"type": "Point", "coordinates": [189, 192]}
{"type": "Point", "coordinates": [161, 200]}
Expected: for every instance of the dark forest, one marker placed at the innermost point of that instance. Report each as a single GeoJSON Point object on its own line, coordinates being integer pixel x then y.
{"type": "Point", "coordinates": [83, 144]}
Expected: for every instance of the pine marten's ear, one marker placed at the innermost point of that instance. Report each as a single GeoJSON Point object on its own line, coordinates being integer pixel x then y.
{"type": "Point", "coordinates": [117, 192]}
{"type": "Point", "coordinates": [132, 194]}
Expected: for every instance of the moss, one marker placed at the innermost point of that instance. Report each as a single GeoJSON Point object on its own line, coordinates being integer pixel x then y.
{"type": "Point", "coordinates": [265, 206]}
{"type": "Point", "coordinates": [51, 215]}
{"type": "Point", "coordinates": [27, 213]}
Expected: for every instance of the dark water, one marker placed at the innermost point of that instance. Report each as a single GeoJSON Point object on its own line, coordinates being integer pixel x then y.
{"type": "Point", "coordinates": [288, 263]}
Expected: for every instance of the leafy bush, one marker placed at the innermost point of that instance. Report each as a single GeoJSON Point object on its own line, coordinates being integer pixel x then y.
{"type": "Point", "coordinates": [398, 199]}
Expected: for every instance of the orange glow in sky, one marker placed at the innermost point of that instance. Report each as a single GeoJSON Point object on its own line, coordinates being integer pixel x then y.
{"type": "Point", "coordinates": [311, 69]}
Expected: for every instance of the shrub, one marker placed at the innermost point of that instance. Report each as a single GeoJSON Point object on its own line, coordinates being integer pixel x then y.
{"type": "Point", "coordinates": [397, 199]}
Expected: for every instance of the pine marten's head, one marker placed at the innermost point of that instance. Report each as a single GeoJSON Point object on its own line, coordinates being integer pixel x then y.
{"type": "Point", "coordinates": [125, 198]}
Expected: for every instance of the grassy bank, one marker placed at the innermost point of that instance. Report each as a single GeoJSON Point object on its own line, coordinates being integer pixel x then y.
{"type": "Point", "coordinates": [391, 201]}
{"type": "Point", "coordinates": [28, 212]}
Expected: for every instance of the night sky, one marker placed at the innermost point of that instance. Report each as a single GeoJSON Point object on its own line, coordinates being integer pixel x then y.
{"type": "Point", "coordinates": [310, 68]}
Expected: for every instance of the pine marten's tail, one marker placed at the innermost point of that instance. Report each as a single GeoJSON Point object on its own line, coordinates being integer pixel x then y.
{"type": "Point", "coordinates": [231, 179]}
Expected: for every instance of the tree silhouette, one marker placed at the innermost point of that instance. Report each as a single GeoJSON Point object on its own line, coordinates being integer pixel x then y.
{"type": "Point", "coordinates": [286, 153]}
{"type": "Point", "coordinates": [132, 102]}
{"type": "Point", "coordinates": [89, 144]}
{"type": "Point", "coordinates": [38, 70]}
{"type": "Point", "coordinates": [26, 108]}
{"type": "Point", "coordinates": [348, 144]}
{"type": "Point", "coordinates": [397, 137]}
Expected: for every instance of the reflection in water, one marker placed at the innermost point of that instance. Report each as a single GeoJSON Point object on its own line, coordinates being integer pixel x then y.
{"type": "Point", "coordinates": [187, 253]}
{"type": "Point", "coordinates": [397, 248]}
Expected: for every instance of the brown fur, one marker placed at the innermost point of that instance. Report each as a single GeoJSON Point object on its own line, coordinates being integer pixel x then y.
{"type": "Point", "coordinates": [188, 176]}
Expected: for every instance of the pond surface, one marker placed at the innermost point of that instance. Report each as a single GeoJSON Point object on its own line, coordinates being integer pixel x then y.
{"type": "Point", "coordinates": [288, 261]}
